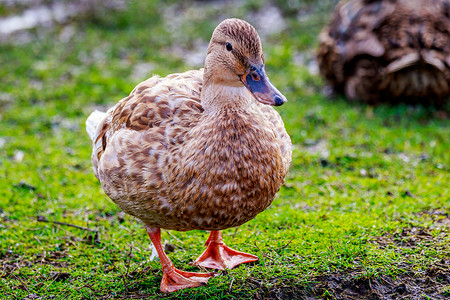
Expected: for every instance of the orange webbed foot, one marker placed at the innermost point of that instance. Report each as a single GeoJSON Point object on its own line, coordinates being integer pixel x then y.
{"type": "Point", "coordinates": [219, 256]}
{"type": "Point", "coordinates": [174, 280]}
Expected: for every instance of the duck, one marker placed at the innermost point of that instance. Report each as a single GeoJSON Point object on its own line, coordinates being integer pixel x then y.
{"type": "Point", "coordinates": [199, 150]}
{"type": "Point", "coordinates": [391, 51]}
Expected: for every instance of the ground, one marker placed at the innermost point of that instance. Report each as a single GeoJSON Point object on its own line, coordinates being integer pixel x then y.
{"type": "Point", "coordinates": [364, 212]}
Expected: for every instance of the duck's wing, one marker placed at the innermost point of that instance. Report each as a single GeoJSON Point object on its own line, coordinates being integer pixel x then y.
{"type": "Point", "coordinates": [132, 142]}
{"type": "Point", "coordinates": [284, 141]}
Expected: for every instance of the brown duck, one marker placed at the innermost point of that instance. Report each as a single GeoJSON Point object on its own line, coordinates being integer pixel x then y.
{"type": "Point", "coordinates": [388, 51]}
{"type": "Point", "coordinates": [199, 150]}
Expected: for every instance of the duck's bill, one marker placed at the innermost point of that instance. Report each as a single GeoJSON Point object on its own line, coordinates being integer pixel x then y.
{"type": "Point", "coordinates": [260, 86]}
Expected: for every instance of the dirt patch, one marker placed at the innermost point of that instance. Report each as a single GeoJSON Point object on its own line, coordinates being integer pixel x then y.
{"type": "Point", "coordinates": [417, 236]}
{"type": "Point", "coordinates": [440, 218]}
{"type": "Point", "coordinates": [405, 286]}
{"type": "Point", "coordinates": [434, 283]}
{"type": "Point", "coordinates": [410, 238]}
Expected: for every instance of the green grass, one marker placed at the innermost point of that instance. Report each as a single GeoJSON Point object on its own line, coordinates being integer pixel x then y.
{"type": "Point", "coordinates": [358, 173]}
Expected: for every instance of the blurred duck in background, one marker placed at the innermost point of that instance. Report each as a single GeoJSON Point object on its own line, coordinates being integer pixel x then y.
{"type": "Point", "coordinates": [388, 51]}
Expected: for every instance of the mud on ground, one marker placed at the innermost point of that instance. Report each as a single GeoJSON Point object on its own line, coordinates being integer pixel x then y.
{"type": "Point", "coordinates": [434, 283]}
{"type": "Point", "coordinates": [430, 283]}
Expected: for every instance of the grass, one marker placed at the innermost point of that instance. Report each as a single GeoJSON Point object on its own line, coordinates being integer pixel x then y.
{"type": "Point", "coordinates": [367, 192]}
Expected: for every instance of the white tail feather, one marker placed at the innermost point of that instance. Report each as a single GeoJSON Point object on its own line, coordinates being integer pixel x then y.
{"type": "Point", "coordinates": [92, 122]}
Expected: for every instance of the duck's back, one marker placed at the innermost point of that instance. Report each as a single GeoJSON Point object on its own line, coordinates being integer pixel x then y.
{"type": "Point", "coordinates": [173, 101]}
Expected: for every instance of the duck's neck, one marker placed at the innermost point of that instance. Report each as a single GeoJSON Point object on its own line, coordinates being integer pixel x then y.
{"type": "Point", "coordinates": [217, 98]}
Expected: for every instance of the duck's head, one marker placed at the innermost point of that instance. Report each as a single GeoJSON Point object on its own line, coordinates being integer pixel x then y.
{"type": "Point", "coordinates": [235, 59]}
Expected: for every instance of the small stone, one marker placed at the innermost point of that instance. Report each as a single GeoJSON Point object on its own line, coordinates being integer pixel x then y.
{"type": "Point", "coordinates": [18, 156]}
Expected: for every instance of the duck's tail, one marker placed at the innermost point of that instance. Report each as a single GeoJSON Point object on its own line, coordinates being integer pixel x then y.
{"type": "Point", "coordinates": [92, 122]}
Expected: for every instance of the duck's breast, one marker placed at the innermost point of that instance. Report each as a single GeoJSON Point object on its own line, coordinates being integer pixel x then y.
{"type": "Point", "coordinates": [230, 172]}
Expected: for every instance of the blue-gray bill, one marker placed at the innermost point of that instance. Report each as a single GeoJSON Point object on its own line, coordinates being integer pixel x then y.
{"type": "Point", "coordinates": [260, 86]}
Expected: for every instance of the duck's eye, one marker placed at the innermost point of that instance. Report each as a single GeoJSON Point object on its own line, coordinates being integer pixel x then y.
{"type": "Point", "coordinates": [256, 77]}
{"type": "Point", "coordinates": [229, 47]}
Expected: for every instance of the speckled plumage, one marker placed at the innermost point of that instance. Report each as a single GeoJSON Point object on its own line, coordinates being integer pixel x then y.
{"type": "Point", "coordinates": [388, 50]}
{"type": "Point", "coordinates": [178, 160]}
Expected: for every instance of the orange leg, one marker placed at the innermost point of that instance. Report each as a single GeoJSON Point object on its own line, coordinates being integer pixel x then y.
{"type": "Point", "coordinates": [174, 279]}
{"type": "Point", "coordinates": [219, 256]}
